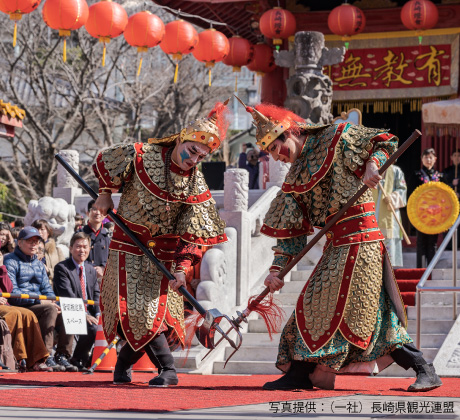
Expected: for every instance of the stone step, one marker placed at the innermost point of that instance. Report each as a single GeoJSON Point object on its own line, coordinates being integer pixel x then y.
{"type": "Point", "coordinates": [248, 353]}
{"type": "Point", "coordinates": [287, 299]}
{"type": "Point", "coordinates": [434, 312]}
{"type": "Point", "coordinates": [444, 273]}
{"type": "Point", "coordinates": [438, 298]}
{"type": "Point", "coordinates": [263, 340]}
{"type": "Point", "coordinates": [246, 368]}
{"type": "Point", "coordinates": [292, 287]}
{"type": "Point", "coordinates": [427, 327]}
{"type": "Point", "coordinates": [303, 275]}
{"type": "Point", "coordinates": [260, 339]}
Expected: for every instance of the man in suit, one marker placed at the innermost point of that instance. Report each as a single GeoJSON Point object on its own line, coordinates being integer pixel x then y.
{"type": "Point", "coordinates": [76, 278]}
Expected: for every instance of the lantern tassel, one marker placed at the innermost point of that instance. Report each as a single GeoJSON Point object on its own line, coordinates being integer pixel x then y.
{"type": "Point", "coordinates": [176, 72]}
{"type": "Point", "coordinates": [236, 83]}
{"type": "Point", "coordinates": [64, 52]}
{"type": "Point", "coordinates": [139, 68]}
{"type": "Point", "coordinates": [15, 33]}
{"type": "Point", "coordinates": [210, 77]}
{"type": "Point", "coordinates": [103, 56]}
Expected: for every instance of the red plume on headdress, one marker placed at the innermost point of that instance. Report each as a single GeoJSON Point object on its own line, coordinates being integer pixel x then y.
{"type": "Point", "coordinates": [222, 116]}
{"type": "Point", "coordinates": [282, 115]}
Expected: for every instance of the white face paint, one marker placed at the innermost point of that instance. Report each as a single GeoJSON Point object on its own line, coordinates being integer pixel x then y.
{"type": "Point", "coordinates": [188, 154]}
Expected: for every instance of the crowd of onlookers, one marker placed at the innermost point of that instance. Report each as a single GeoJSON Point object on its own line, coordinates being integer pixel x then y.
{"type": "Point", "coordinates": [31, 263]}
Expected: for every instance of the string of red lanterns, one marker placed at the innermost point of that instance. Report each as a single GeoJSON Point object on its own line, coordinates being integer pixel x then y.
{"type": "Point", "coordinates": [277, 24]}
{"type": "Point", "coordinates": [240, 54]}
{"type": "Point", "coordinates": [419, 16]}
{"type": "Point", "coordinates": [213, 46]}
{"type": "Point", "coordinates": [180, 39]}
{"type": "Point", "coordinates": [106, 20]}
{"type": "Point", "coordinates": [65, 16]}
{"type": "Point", "coordinates": [346, 20]}
{"type": "Point", "coordinates": [16, 9]}
{"type": "Point", "coordinates": [144, 30]}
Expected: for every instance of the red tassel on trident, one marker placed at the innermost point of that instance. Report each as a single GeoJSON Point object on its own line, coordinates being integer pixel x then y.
{"type": "Point", "coordinates": [270, 312]}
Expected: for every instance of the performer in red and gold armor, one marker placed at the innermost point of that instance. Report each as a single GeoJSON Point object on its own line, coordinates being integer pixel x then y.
{"type": "Point", "coordinates": [349, 316]}
{"type": "Point", "coordinates": [166, 202]}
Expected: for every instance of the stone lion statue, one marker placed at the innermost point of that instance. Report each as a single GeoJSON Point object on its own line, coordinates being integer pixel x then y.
{"type": "Point", "coordinates": [58, 213]}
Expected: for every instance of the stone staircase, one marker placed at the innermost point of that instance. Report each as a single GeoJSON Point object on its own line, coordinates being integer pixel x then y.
{"type": "Point", "coordinates": [257, 355]}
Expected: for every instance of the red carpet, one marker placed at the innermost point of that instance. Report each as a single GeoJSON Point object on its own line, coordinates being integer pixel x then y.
{"type": "Point", "coordinates": [408, 279]}
{"type": "Point", "coordinates": [96, 392]}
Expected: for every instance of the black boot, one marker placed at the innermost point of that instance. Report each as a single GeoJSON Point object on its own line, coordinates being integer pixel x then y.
{"type": "Point", "coordinates": [427, 379]}
{"type": "Point", "coordinates": [160, 355]}
{"type": "Point", "coordinates": [125, 361]}
{"type": "Point", "coordinates": [295, 378]}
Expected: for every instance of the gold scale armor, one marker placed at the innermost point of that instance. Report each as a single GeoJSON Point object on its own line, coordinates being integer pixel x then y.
{"type": "Point", "coordinates": [342, 294]}
{"type": "Point", "coordinates": [134, 292]}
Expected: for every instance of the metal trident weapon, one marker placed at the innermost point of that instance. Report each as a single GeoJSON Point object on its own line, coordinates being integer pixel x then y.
{"type": "Point", "coordinates": [211, 318]}
{"type": "Point", "coordinates": [242, 316]}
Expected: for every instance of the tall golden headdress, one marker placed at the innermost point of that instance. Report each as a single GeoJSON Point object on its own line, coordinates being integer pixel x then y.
{"type": "Point", "coordinates": [267, 129]}
{"type": "Point", "coordinates": [209, 130]}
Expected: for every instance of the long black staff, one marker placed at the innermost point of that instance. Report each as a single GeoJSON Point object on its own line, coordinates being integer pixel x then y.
{"type": "Point", "coordinates": [211, 318]}
{"type": "Point", "coordinates": [256, 301]}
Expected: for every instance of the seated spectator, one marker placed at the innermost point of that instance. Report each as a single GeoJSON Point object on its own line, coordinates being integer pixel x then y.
{"type": "Point", "coordinates": [76, 278]}
{"type": "Point", "coordinates": [53, 254]}
{"type": "Point", "coordinates": [28, 276]}
{"type": "Point", "coordinates": [14, 233]}
{"type": "Point", "coordinates": [100, 239]}
{"type": "Point", "coordinates": [19, 223]}
{"type": "Point", "coordinates": [79, 222]}
{"type": "Point", "coordinates": [28, 347]}
{"type": "Point", "coordinates": [6, 239]}
{"type": "Point", "coordinates": [110, 226]}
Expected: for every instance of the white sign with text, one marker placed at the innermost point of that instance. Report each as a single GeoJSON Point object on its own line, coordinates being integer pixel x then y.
{"type": "Point", "coordinates": [74, 315]}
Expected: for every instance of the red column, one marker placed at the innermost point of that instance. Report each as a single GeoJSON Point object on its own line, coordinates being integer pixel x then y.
{"type": "Point", "coordinates": [274, 87]}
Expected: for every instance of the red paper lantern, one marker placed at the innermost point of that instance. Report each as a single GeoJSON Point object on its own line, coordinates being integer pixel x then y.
{"type": "Point", "coordinates": [277, 24]}
{"type": "Point", "coordinates": [419, 15]}
{"type": "Point", "coordinates": [65, 16]}
{"type": "Point", "coordinates": [180, 38]}
{"type": "Point", "coordinates": [240, 54]}
{"type": "Point", "coordinates": [263, 60]}
{"type": "Point", "coordinates": [144, 30]}
{"type": "Point", "coordinates": [106, 21]}
{"type": "Point", "coordinates": [346, 20]}
{"type": "Point", "coordinates": [213, 46]}
{"type": "Point", "coordinates": [17, 8]}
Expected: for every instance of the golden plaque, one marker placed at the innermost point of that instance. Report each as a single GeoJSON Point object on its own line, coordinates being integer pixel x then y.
{"type": "Point", "coordinates": [433, 208]}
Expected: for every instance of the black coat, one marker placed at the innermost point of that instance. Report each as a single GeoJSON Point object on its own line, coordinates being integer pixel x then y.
{"type": "Point", "coordinates": [99, 252]}
{"type": "Point", "coordinates": [67, 283]}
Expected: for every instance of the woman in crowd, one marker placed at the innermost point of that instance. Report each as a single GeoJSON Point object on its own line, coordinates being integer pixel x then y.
{"type": "Point", "coordinates": [6, 239]}
{"type": "Point", "coordinates": [53, 254]}
{"type": "Point", "coordinates": [426, 244]}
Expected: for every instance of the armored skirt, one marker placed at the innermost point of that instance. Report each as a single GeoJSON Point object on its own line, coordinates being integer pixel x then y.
{"type": "Point", "coordinates": [349, 316]}
{"type": "Point", "coordinates": [172, 212]}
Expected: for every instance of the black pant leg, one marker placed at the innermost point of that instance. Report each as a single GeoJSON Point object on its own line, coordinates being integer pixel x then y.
{"type": "Point", "coordinates": [85, 343]}
{"type": "Point", "coordinates": [432, 241]}
{"type": "Point", "coordinates": [408, 356]}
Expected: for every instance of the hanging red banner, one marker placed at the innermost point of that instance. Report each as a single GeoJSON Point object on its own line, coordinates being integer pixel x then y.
{"type": "Point", "coordinates": [393, 68]}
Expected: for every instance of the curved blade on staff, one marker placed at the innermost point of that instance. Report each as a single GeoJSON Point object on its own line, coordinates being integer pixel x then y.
{"type": "Point", "coordinates": [211, 325]}
{"type": "Point", "coordinates": [242, 316]}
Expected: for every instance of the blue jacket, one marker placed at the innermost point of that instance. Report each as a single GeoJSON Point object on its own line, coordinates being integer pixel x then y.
{"type": "Point", "coordinates": [28, 275]}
